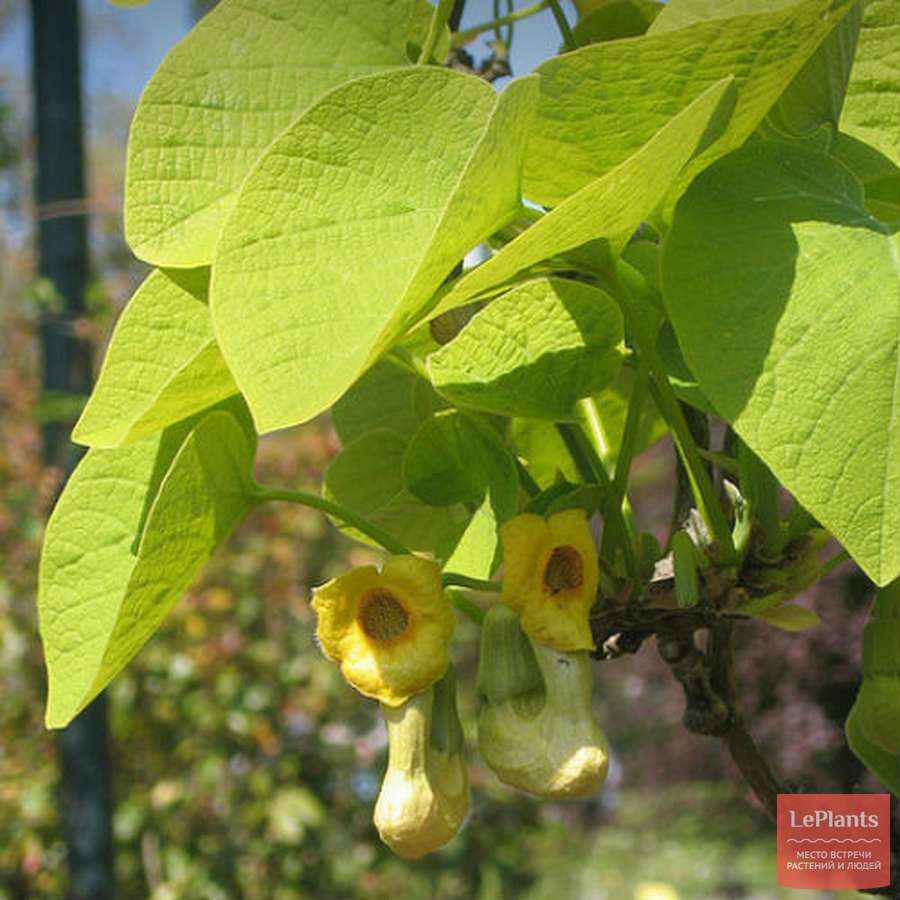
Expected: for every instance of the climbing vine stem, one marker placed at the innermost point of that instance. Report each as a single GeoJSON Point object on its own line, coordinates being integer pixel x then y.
{"type": "Point", "coordinates": [591, 470]}
{"type": "Point", "coordinates": [461, 38]}
{"type": "Point", "coordinates": [626, 282]}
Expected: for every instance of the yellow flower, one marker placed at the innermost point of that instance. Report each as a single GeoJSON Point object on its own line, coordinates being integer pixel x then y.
{"type": "Point", "coordinates": [424, 797]}
{"type": "Point", "coordinates": [550, 576]}
{"type": "Point", "coordinates": [390, 630]}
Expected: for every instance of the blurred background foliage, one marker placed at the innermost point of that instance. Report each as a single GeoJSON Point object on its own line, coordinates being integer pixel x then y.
{"type": "Point", "coordinates": [244, 767]}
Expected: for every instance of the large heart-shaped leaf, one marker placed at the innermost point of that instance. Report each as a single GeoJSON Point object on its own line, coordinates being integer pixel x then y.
{"type": "Point", "coordinates": [388, 395]}
{"type": "Point", "coordinates": [351, 221]}
{"type": "Point", "coordinates": [609, 208]}
{"type": "Point", "coordinates": [162, 363]}
{"type": "Point", "coordinates": [872, 109]}
{"type": "Point", "coordinates": [785, 295]}
{"type": "Point", "coordinates": [534, 351]}
{"type": "Point", "coordinates": [612, 20]}
{"type": "Point", "coordinates": [129, 533]}
{"type": "Point", "coordinates": [879, 175]}
{"type": "Point", "coordinates": [224, 93]}
{"type": "Point", "coordinates": [456, 458]}
{"type": "Point", "coordinates": [599, 104]}
{"type": "Point", "coordinates": [682, 13]}
{"type": "Point", "coordinates": [816, 94]}
{"type": "Point", "coordinates": [367, 477]}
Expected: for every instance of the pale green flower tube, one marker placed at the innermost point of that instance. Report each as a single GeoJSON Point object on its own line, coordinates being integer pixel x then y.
{"type": "Point", "coordinates": [536, 729]}
{"type": "Point", "coordinates": [424, 796]}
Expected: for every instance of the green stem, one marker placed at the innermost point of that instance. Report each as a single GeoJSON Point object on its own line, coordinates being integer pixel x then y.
{"type": "Point", "coordinates": [435, 27]}
{"type": "Point", "coordinates": [581, 455]}
{"type": "Point", "coordinates": [725, 462]}
{"type": "Point", "coordinates": [461, 38]}
{"type": "Point", "coordinates": [592, 471]}
{"type": "Point", "coordinates": [563, 25]}
{"type": "Point", "coordinates": [600, 440]}
{"type": "Point", "coordinates": [509, 30]}
{"type": "Point", "coordinates": [625, 279]}
{"type": "Point", "coordinates": [456, 15]}
{"type": "Point", "coordinates": [347, 516]}
{"type": "Point", "coordinates": [498, 35]}
{"type": "Point", "coordinates": [532, 488]}
{"type": "Point", "coordinates": [832, 564]}
{"type": "Point", "coordinates": [595, 431]}
{"type": "Point", "coordinates": [456, 579]}
{"type": "Point", "coordinates": [464, 605]}
{"type": "Point", "coordinates": [632, 427]}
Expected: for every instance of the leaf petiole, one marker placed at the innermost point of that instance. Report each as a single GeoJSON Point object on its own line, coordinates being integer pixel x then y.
{"type": "Point", "coordinates": [562, 23]}
{"type": "Point", "coordinates": [437, 24]}
{"type": "Point", "coordinates": [455, 579]}
{"type": "Point", "coordinates": [266, 494]}
{"type": "Point", "coordinates": [632, 427]}
{"type": "Point", "coordinates": [831, 564]}
{"type": "Point", "coordinates": [592, 471]}
{"type": "Point", "coordinates": [472, 611]}
{"type": "Point", "coordinates": [348, 517]}
{"type": "Point", "coordinates": [461, 38]}
{"type": "Point", "coordinates": [623, 281]}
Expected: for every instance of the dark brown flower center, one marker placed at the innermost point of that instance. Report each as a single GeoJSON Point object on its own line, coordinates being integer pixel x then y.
{"type": "Point", "coordinates": [381, 615]}
{"type": "Point", "coordinates": [564, 570]}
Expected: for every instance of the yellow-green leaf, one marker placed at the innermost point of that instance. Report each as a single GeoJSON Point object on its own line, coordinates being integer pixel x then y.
{"type": "Point", "coordinates": [534, 351]}
{"type": "Point", "coordinates": [872, 108]}
{"type": "Point", "coordinates": [162, 363]}
{"type": "Point", "coordinates": [126, 538]}
{"type": "Point", "coordinates": [600, 104]}
{"type": "Point", "coordinates": [224, 93]}
{"type": "Point", "coordinates": [785, 295]}
{"type": "Point", "coordinates": [626, 196]}
{"type": "Point", "coordinates": [351, 221]}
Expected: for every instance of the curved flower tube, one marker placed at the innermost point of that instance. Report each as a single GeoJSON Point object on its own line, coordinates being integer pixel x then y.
{"type": "Point", "coordinates": [536, 729]}
{"type": "Point", "coordinates": [550, 576]}
{"type": "Point", "coordinates": [424, 797]}
{"type": "Point", "coordinates": [389, 630]}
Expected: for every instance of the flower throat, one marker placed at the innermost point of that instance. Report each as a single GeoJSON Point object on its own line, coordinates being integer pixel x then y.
{"type": "Point", "coordinates": [381, 616]}
{"type": "Point", "coordinates": [564, 570]}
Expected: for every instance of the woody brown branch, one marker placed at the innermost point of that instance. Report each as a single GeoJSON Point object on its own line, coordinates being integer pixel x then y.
{"type": "Point", "coordinates": [707, 679]}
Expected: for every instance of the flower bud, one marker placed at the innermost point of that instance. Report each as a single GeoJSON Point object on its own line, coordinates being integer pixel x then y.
{"type": "Point", "coordinates": [536, 729]}
{"type": "Point", "coordinates": [424, 796]}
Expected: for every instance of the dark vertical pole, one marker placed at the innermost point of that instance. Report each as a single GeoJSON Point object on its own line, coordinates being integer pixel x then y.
{"type": "Point", "coordinates": [62, 239]}
{"type": "Point", "coordinates": [86, 794]}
